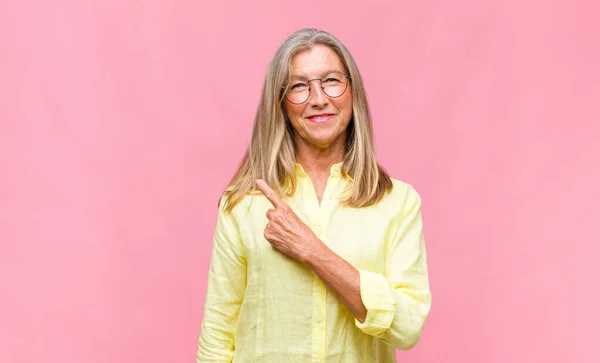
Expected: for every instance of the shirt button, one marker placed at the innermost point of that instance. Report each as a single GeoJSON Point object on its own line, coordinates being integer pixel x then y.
{"type": "Point", "coordinates": [319, 320]}
{"type": "Point", "coordinates": [330, 197]}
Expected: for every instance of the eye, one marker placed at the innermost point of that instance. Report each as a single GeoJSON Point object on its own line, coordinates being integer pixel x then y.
{"type": "Point", "coordinates": [297, 86]}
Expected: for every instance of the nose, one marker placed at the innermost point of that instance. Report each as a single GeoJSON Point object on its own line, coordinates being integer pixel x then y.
{"type": "Point", "coordinates": [317, 95]}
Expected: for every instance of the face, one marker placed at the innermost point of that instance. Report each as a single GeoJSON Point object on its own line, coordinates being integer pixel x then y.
{"type": "Point", "coordinates": [321, 121]}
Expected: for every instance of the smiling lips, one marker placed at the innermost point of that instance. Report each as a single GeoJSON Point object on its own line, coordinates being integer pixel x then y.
{"type": "Point", "coordinates": [322, 117]}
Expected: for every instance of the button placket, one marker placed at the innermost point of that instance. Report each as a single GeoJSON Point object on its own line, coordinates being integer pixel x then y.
{"type": "Point", "coordinates": [319, 329]}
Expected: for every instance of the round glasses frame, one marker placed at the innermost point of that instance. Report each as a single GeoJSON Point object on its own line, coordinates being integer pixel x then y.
{"type": "Point", "coordinates": [346, 77]}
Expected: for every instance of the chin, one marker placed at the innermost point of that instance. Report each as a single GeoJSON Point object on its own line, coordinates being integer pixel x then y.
{"type": "Point", "coordinates": [323, 140]}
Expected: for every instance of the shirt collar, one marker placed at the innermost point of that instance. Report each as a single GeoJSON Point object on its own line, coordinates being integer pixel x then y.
{"type": "Point", "coordinates": [335, 170]}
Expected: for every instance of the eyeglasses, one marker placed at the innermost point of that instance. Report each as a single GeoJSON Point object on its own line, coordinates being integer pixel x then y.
{"type": "Point", "coordinates": [333, 84]}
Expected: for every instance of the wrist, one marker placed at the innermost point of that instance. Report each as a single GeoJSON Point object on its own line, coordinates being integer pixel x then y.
{"type": "Point", "coordinates": [315, 254]}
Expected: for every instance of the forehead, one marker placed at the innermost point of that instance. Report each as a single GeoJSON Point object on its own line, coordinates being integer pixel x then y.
{"type": "Point", "coordinates": [314, 62]}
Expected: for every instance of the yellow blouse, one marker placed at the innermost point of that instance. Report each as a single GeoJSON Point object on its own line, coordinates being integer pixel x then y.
{"type": "Point", "coordinates": [263, 306]}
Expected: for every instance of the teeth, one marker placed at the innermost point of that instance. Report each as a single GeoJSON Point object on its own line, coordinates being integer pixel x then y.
{"type": "Point", "coordinates": [320, 118]}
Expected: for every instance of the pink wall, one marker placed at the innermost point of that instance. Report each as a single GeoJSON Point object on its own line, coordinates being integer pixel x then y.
{"type": "Point", "coordinates": [120, 124]}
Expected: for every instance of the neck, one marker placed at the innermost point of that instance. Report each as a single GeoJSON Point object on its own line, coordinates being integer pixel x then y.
{"type": "Point", "coordinates": [315, 159]}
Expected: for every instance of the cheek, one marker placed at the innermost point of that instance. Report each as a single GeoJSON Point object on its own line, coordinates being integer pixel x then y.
{"type": "Point", "coordinates": [293, 111]}
{"type": "Point", "coordinates": [345, 107]}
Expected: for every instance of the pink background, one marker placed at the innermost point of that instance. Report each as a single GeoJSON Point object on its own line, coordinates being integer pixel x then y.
{"type": "Point", "coordinates": [121, 122]}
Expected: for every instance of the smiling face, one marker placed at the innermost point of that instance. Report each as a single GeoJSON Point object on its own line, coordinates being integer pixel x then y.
{"type": "Point", "coordinates": [321, 121]}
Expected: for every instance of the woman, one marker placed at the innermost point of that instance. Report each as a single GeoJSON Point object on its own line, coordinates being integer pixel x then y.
{"type": "Point", "coordinates": [318, 254]}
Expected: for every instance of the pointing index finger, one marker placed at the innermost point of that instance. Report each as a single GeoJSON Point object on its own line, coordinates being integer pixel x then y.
{"type": "Point", "coordinates": [269, 193]}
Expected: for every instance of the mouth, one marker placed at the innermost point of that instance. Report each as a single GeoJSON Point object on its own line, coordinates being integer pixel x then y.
{"type": "Point", "coordinates": [320, 117]}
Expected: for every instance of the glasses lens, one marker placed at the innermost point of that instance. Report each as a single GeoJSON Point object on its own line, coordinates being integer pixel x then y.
{"type": "Point", "coordinates": [298, 92]}
{"type": "Point", "coordinates": [334, 84]}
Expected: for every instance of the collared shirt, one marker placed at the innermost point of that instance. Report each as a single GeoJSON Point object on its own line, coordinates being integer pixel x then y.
{"type": "Point", "coordinates": [263, 306]}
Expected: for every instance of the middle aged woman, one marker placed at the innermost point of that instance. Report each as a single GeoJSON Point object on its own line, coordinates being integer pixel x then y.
{"type": "Point", "coordinates": [318, 253]}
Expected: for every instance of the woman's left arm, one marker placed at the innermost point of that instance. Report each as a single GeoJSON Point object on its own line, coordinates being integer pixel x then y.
{"type": "Point", "coordinates": [391, 306]}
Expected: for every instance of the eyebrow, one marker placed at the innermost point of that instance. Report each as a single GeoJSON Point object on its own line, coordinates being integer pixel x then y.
{"type": "Point", "coordinates": [322, 74]}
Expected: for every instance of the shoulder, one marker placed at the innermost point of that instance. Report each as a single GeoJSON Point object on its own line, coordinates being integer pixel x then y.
{"type": "Point", "coordinates": [403, 189]}
{"type": "Point", "coordinates": [244, 206]}
{"type": "Point", "coordinates": [403, 197]}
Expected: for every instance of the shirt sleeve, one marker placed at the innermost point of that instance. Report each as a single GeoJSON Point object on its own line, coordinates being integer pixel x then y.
{"type": "Point", "coordinates": [224, 292]}
{"type": "Point", "coordinates": [398, 301]}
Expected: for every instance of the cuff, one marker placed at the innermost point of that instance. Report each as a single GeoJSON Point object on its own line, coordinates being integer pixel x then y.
{"type": "Point", "coordinates": [379, 302]}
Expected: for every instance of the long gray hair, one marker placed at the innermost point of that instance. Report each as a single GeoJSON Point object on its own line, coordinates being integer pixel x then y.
{"type": "Point", "coordinates": [271, 154]}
